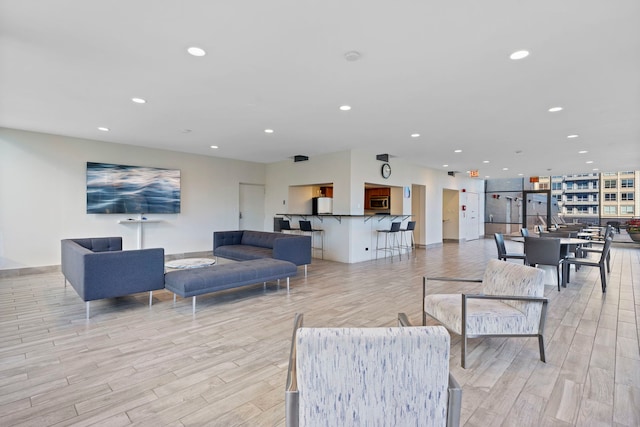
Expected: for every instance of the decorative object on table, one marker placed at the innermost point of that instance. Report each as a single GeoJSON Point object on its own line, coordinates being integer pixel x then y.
{"type": "Point", "coordinates": [186, 263]}
{"type": "Point", "coordinates": [509, 303]}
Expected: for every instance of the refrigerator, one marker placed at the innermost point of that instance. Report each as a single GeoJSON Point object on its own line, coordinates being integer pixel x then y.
{"type": "Point", "coordinates": [322, 205]}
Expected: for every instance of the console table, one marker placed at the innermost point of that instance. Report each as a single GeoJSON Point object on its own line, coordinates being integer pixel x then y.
{"type": "Point", "coordinates": [139, 222]}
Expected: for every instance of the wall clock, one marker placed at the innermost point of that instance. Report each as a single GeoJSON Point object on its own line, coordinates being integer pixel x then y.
{"type": "Point", "coordinates": [386, 170]}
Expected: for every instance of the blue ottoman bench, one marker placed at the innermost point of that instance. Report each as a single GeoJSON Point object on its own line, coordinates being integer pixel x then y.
{"type": "Point", "coordinates": [199, 281]}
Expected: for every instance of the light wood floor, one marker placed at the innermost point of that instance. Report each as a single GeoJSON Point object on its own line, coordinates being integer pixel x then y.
{"type": "Point", "coordinates": [135, 365]}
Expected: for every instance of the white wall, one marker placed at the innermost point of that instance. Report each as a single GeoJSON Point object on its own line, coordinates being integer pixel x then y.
{"type": "Point", "coordinates": [43, 197]}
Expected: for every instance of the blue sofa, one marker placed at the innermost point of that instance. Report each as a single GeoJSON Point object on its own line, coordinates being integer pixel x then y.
{"type": "Point", "coordinates": [245, 245]}
{"type": "Point", "coordinates": [98, 268]}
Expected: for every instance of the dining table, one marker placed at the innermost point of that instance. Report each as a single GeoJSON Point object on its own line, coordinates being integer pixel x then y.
{"type": "Point", "coordinates": [565, 242]}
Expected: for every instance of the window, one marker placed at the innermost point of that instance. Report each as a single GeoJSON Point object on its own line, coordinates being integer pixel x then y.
{"type": "Point", "coordinates": [556, 186]}
{"type": "Point", "coordinates": [583, 185]}
{"type": "Point", "coordinates": [610, 210]}
{"type": "Point", "coordinates": [610, 183]}
{"type": "Point", "coordinates": [543, 186]}
{"type": "Point", "coordinates": [583, 197]}
{"type": "Point", "coordinates": [626, 210]}
{"type": "Point", "coordinates": [626, 197]}
{"type": "Point", "coordinates": [610, 197]}
{"type": "Point", "coordinates": [582, 209]}
{"type": "Point", "coordinates": [569, 185]}
{"type": "Point", "coordinates": [626, 183]}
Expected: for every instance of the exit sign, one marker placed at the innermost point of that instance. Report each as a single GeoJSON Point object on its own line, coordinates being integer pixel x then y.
{"type": "Point", "coordinates": [533, 179]}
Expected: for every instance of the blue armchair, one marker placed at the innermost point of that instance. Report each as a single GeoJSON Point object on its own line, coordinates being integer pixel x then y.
{"type": "Point", "coordinates": [98, 268]}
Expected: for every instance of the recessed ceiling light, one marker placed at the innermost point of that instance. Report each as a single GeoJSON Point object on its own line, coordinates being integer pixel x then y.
{"type": "Point", "coordinates": [186, 130]}
{"type": "Point", "coordinates": [486, 176]}
{"type": "Point", "coordinates": [345, 107]}
{"type": "Point", "coordinates": [505, 169]}
{"type": "Point", "coordinates": [485, 161]}
{"type": "Point", "coordinates": [519, 54]}
{"type": "Point", "coordinates": [352, 56]}
{"type": "Point", "coordinates": [572, 136]}
{"type": "Point", "coordinates": [555, 109]}
{"type": "Point", "coordinates": [595, 169]}
{"type": "Point", "coordinates": [445, 166]}
{"type": "Point", "coordinates": [196, 51]}
{"type": "Point", "coordinates": [457, 151]}
{"type": "Point", "coordinates": [139, 100]}
{"type": "Point", "coordinates": [268, 131]}
{"type": "Point", "coordinates": [520, 174]}
{"type": "Point", "coordinates": [103, 129]}
{"type": "Point", "coordinates": [415, 135]}
{"type": "Point", "coordinates": [215, 147]}
{"type": "Point", "coordinates": [582, 152]}
{"type": "Point", "coordinates": [589, 162]}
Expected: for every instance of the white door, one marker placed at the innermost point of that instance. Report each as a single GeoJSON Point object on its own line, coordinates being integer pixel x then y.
{"type": "Point", "coordinates": [251, 207]}
{"type": "Point", "coordinates": [472, 223]}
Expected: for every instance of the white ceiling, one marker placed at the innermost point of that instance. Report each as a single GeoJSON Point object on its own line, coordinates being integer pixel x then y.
{"type": "Point", "coordinates": [437, 68]}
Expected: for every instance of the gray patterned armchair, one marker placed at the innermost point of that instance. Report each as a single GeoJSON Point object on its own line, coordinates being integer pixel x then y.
{"type": "Point", "coordinates": [510, 304]}
{"type": "Point", "coordinates": [371, 377]}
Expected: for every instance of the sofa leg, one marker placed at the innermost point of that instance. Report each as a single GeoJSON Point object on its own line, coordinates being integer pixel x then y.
{"type": "Point", "coordinates": [305, 270]}
{"type": "Point", "coordinates": [88, 305]}
{"type": "Point", "coordinates": [194, 305]}
{"type": "Point", "coordinates": [150, 298]}
{"type": "Point", "coordinates": [174, 299]}
{"type": "Point", "coordinates": [278, 283]}
{"type": "Point", "coordinates": [287, 284]}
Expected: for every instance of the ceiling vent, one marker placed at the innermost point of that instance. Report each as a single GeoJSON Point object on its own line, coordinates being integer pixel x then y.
{"type": "Point", "coordinates": [300, 158]}
{"type": "Point", "coordinates": [382, 157]}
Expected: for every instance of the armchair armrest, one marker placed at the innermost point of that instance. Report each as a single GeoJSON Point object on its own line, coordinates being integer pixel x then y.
{"type": "Point", "coordinates": [291, 402]}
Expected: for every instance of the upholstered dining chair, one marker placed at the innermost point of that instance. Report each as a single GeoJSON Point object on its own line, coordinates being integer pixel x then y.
{"type": "Point", "coordinates": [509, 303]}
{"type": "Point", "coordinates": [585, 262]}
{"type": "Point", "coordinates": [502, 249]}
{"type": "Point", "coordinates": [393, 376]}
{"type": "Point", "coordinates": [544, 251]}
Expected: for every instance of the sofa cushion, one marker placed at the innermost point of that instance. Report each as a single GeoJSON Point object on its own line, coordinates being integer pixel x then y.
{"type": "Point", "coordinates": [100, 244]}
{"type": "Point", "coordinates": [259, 239]}
{"type": "Point", "coordinates": [484, 317]}
{"type": "Point", "coordinates": [243, 252]}
{"type": "Point", "coordinates": [198, 281]}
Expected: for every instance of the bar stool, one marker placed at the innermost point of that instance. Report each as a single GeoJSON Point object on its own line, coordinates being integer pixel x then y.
{"type": "Point", "coordinates": [305, 227]}
{"type": "Point", "coordinates": [411, 225]}
{"type": "Point", "coordinates": [286, 226]}
{"type": "Point", "coordinates": [389, 246]}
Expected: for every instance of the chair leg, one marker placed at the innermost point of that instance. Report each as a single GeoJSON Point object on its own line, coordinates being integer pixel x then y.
{"type": "Point", "coordinates": [603, 279]}
{"type": "Point", "coordinates": [541, 345]}
{"type": "Point", "coordinates": [558, 275]}
{"type": "Point", "coordinates": [609, 262]}
{"type": "Point", "coordinates": [463, 351]}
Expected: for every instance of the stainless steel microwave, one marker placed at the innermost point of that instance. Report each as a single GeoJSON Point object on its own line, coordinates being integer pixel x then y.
{"type": "Point", "coordinates": [379, 202]}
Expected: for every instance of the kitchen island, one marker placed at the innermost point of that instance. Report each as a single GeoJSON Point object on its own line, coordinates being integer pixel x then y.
{"type": "Point", "coordinates": [348, 238]}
